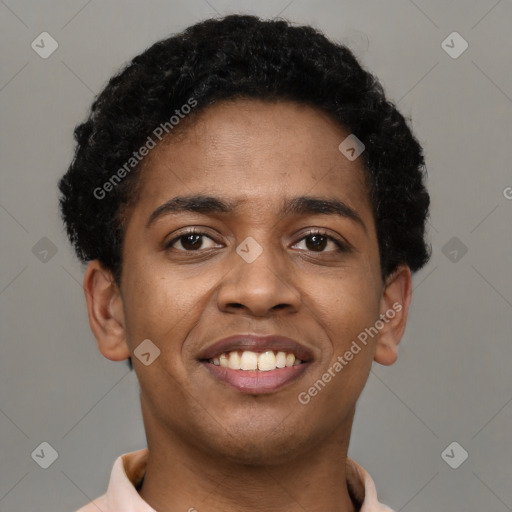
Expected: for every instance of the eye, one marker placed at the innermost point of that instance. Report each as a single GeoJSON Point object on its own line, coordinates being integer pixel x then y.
{"type": "Point", "coordinates": [318, 241]}
{"type": "Point", "coordinates": [191, 241]}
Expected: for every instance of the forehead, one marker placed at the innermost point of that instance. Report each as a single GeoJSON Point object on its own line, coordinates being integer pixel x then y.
{"type": "Point", "coordinates": [254, 151]}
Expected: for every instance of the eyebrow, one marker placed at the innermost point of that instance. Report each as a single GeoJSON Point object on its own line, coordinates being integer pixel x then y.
{"type": "Point", "coordinates": [301, 205]}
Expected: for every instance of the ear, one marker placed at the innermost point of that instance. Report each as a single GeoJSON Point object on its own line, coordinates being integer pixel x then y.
{"type": "Point", "coordinates": [105, 309]}
{"type": "Point", "coordinates": [394, 308]}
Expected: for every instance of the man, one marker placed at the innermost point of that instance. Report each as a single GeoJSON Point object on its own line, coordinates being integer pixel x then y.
{"type": "Point", "coordinates": [251, 208]}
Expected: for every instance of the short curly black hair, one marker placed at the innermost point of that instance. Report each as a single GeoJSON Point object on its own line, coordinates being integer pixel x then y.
{"type": "Point", "coordinates": [242, 56]}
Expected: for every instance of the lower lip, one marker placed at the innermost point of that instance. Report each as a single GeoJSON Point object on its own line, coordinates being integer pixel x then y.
{"type": "Point", "coordinates": [254, 381]}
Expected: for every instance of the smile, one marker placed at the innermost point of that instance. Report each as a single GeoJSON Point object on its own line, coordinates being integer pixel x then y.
{"type": "Point", "coordinates": [248, 360]}
{"type": "Point", "coordinates": [256, 372]}
{"type": "Point", "coordinates": [256, 364]}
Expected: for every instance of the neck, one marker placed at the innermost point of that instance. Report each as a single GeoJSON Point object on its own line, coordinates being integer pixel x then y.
{"type": "Point", "coordinates": [180, 476]}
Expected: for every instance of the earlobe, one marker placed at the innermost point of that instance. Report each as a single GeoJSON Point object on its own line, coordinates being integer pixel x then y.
{"type": "Point", "coordinates": [105, 310]}
{"type": "Point", "coordinates": [394, 308]}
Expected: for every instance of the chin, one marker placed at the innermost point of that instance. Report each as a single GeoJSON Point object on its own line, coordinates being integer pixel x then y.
{"type": "Point", "coordinates": [263, 453]}
{"type": "Point", "coordinates": [263, 446]}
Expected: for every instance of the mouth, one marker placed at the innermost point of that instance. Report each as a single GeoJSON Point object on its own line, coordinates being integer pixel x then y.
{"type": "Point", "coordinates": [248, 360]}
{"type": "Point", "coordinates": [254, 364]}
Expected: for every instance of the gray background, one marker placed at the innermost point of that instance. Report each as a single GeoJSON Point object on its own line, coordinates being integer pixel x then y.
{"type": "Point", "coordinates": [452, 381]}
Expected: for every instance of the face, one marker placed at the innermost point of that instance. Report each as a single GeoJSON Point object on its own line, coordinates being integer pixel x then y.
{"type": "Point", "coordinates": [265, 255]}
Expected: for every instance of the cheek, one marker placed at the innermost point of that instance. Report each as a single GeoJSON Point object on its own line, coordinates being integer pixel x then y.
{"type": "Point", "coordinates": [345, 368]}
{"type": "Point", "coordinates": [152, 305]}
{"type": "Point", "coordinates": [162, 305]}
{"type": "Point", "coordinates": [347, 304]}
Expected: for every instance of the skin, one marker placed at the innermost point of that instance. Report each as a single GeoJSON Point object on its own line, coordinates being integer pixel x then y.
{"type": "Point", "coordinates": [212, 447]}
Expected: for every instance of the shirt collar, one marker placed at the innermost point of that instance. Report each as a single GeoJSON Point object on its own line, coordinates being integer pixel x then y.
{"type": "Point", "coordinates": [129, 469]}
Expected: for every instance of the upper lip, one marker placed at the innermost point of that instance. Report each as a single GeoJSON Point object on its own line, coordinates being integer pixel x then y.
{"type": "Point", "coordinates": [256, 343]}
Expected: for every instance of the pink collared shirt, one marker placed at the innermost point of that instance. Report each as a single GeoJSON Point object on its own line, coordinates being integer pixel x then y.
{"type": "Point", "coordinates": [129, 469]}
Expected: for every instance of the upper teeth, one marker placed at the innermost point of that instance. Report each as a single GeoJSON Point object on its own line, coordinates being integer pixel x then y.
{"type": "Point", "coordinates": [248, 360]}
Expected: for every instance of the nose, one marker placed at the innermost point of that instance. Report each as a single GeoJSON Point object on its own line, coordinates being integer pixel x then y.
{"type": "Point", "coordinates": [260, 288]}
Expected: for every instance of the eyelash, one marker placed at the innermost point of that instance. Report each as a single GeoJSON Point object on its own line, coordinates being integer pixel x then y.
{"type": "Point", "coordinates": [341, 246]}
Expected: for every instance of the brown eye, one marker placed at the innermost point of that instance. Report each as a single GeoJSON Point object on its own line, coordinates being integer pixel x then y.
{"type": "Point", "coordinates": [191, 242]}
{"type": "Point", "coordinates": [320, 242]}
{"type": "Point", "coordinates": [316, 242]}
